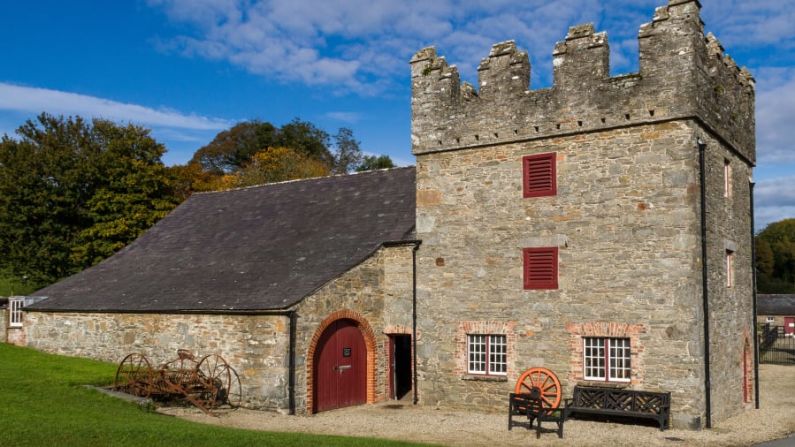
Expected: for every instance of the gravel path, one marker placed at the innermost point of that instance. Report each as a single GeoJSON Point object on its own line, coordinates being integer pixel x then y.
{"type": "Point", "coordinates": [776, 419]}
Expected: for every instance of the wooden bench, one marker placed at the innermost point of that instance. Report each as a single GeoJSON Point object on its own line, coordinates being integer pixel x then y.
{"type": "Point", "coordinates": [530, 406]}
{"type": "Point", "coordinates": [618, 402]}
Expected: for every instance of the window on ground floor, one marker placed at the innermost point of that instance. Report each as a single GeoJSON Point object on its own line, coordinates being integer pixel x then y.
{"type": "Point", "coordinates": [15, 312]}
{"type": "Point", "coordinates": [606, 359]}
{"type": "Point", "coordinates": [487, 354]}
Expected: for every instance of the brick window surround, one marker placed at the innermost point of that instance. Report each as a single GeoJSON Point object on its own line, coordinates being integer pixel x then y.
{"type": "Point", "coordinates": [484, 327]}
{"type": "Point", "coordinates": [540, 268]}
{"type": "Point", "coordinates": [369, 343]}
{"type": "Point", "coordinates": [539, 177]}
{"type": "Point", "coordinates": [605, 329]}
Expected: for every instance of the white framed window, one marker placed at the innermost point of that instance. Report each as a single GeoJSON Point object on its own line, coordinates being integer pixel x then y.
{"type": "Point", "coordinates": [729, 268]}
{"type": "Point", "coordinates": [727, 178]}
{"type": "Point", "coordinates": [607, 359]}
{"type": "Point", "coordinates": [770, 319]}
{"type": "Point", "coordinates": [15, 312]}
{"type": "Point", "coordinates": [487, 354]}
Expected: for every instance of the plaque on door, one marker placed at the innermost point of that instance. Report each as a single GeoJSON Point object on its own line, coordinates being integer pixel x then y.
{"type": "Point", "coordinates": [346, 352]}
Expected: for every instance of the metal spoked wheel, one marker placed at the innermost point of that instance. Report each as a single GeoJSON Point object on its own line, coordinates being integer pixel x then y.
{"type": "Point", "coordinates": [221, 384]}
{"type": "Point", "coordinates": [134, 375]}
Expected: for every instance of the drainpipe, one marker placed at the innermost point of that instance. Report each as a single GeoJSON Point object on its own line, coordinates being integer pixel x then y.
{"type": "Point", "coordinates": [704, 280]}
{"type": "Point", "coordinates": [753, 283]}
{"type": "Point", "coordinates": [291, 374]}
{"type": "Point", "coordinates": [414, 317]}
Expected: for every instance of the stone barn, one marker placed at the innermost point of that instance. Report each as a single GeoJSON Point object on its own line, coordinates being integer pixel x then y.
{"type": "Point", "coordinates": [600, 228]}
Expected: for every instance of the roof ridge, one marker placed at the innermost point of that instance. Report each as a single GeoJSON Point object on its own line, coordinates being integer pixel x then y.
{"type": "Point", "coordinates": [350, 174]}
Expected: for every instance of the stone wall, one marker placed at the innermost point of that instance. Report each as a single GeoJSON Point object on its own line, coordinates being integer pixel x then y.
{"type": "Point", "coordinates": [731, 308]}
{"type": "Point", "coordinates": [626, 222]}
{"type": "Point", "coordinates": [255, 345]}
{"type": "Point", "coordinates": [378, 294]}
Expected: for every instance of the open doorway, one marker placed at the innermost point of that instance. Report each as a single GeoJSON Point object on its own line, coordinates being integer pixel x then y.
{"type": "Point", "coordinates": [400, 365]}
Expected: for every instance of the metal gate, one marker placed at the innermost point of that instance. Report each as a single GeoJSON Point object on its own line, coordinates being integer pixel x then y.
{"type": "Point", "coordinates": [776, 346]}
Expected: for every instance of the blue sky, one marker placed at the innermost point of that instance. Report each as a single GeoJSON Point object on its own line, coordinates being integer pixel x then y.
{"type": "Point", "coordinates": [190, 68]}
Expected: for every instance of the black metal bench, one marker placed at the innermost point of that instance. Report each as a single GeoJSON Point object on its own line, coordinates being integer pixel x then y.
{"type": "Point", "coordinates": [530, 406]}
{"type": "Point", "coordinates": [618, 402]}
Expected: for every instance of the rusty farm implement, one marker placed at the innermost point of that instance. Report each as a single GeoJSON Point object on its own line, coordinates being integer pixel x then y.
{"type": "Point", "coordinates": [208, 383]}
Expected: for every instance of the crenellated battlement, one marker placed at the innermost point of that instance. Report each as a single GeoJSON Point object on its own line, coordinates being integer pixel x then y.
{"type": "Point", "coordinates": [683, 74]}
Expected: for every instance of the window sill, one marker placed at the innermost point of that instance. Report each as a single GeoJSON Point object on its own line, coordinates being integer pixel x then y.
{"type": "Point", "coordinates": [603, 384]}
{"type": "Point", "coordinates": [484, 378]}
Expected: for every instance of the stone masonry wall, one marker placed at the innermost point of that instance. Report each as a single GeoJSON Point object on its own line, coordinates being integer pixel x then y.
{"type": "Point", "coordinates": [625, 220]}
{"type": "Point", "coordinates": [378, 293]}
{"type": "Point", "coordinates": [731, 308]}
{"type": "Point", "coordinates": [256, 346]}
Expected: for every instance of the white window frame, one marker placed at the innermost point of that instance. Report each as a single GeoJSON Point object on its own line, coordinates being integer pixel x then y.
{"type": "Point", "coordinates": [770, 319]}
{"type": "Point", "coordinates": [603, 364]}
{"type": "Point", "coordinates": [15, 314]}
{"type": "Point", "coordinates": [729, 268]}
{"type": "Point", "coordinates": [489, 356]}
{"type": "Point", "coordinates": [727, 178]}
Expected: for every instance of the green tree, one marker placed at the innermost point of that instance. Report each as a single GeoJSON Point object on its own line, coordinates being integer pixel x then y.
{"type": "Point", "coordinates": [775, 257]}
{"type": "Point", "coordinates": [373, 162]}
{"type": "Point", "coordinates": [72, 193]}
{"type": "Point", "coordinates": [348, 155]}
{"type": "Point", "coordinates": [233, 148]}
{"type": "Point", "coordinates": [279, 164]}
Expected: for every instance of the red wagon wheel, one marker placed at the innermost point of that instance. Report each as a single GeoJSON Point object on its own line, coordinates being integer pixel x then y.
{"type": "Point", "coordinates": [543, 380]}
{"type": "Point", "coordinates": [134, 375]}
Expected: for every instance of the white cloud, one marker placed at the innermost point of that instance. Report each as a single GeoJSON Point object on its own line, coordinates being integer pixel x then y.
{"type": "Point", "coordinates": [775, 107]}
{"type": "Point", "coordinates": [346, 117]}
{"type": "Point", "coordinates": [363, 45]}
{"type": "Point", "coordinates": [36, 100]}
{"type": "Point", "coordinates": [774, 200]}
{"type": "Point", "coordinates": [744, 23]}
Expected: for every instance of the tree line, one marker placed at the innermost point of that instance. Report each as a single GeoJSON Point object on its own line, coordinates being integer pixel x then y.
{"type": "Point", "coordinates": [775, 258]}
{"type": "Point", "coordinates": [73, 191]}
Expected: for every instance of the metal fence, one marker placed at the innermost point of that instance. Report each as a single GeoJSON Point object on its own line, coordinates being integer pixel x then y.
{"type": "Point", "coordinates": [775, 346]}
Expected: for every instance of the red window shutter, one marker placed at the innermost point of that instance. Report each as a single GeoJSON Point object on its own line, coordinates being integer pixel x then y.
{"type": "Point", "coordinates": [539, 175]}
{"type": "Point", "coordinates": [541, 268]}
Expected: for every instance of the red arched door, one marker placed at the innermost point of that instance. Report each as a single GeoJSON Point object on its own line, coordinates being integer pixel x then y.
{"type": "Point", "coordinates": [340, 367]}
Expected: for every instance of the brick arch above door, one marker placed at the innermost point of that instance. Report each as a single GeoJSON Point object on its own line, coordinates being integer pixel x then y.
{"type": "Point", "coordinates": [370, 345]}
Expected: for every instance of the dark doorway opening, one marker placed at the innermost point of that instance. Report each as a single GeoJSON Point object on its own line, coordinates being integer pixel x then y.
{"type": "Point", "coordinates": [400, 365]}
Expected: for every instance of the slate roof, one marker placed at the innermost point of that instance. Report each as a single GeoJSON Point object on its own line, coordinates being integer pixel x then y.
{"type": "Point", "coordinates": [778, 304]}
{"type": "Point", "coordinates": [258, 248]}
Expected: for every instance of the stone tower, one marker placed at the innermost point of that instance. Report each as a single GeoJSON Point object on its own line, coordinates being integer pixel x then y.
{"type": "Point", "coordinates": [595, 184]}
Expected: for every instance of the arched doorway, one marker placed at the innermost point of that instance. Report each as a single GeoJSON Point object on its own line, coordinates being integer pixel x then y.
{"type": "Point", "coordinates": [340, 367]}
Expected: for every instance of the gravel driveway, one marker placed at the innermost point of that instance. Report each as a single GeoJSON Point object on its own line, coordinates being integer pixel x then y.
{"type": "Point", "coordinates": [776, 419]}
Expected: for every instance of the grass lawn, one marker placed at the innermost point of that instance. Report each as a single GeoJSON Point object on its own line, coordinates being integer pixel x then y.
{"type": "Point", "coordinates": [43, 404]}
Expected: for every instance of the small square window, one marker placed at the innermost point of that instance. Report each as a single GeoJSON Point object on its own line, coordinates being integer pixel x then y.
{"type": "Point", "coordinates": [539, 176]}
{"type": "Point", "coordinates": [15, 312]}
{"type": "Point", "coordinates": [541, 268]}
{"type": "Point", "coordinates": [729, 268]}
{"type": "Point", "coordinates": [606, 359]}
{"type": "Point", "coordinates": [770, 319]}
{"type": "Point", "coordinates": [487, 354]}
{"type": "Point", "coordinates": [727, 178]}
